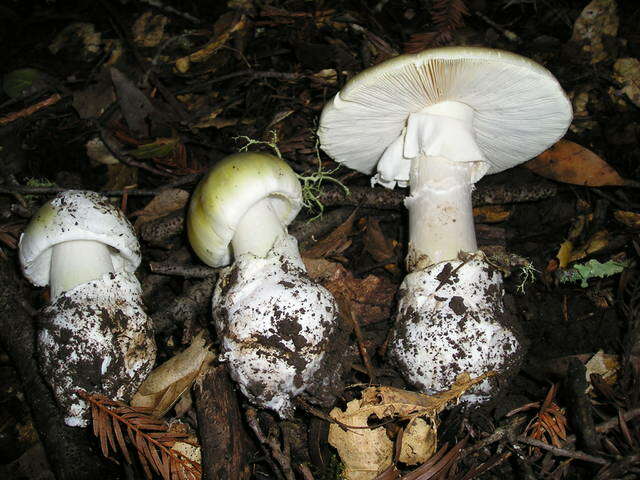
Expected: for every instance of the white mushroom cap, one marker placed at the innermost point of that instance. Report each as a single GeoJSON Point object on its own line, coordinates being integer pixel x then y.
{"type": "Point", "coordinates": [519, 108]}
{"type": "Point", "coordinates": [228, 192]}
{"type": "Point", "coordinates": [77, 215]}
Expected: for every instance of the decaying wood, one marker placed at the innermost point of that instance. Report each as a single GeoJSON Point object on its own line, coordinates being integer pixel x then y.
{"type": "Point", "coordinates": [194, 301]}
{"type": "Point", "coordinates": [69, 450]}
{"type": "Point", "coordinates": [576, 382]}
{"type": "Point", "coordinates": [484, 194]}
{"type": "Point", "coordinates": [220, 429]}
{"type": "Point", "coordinates": [186, 271]}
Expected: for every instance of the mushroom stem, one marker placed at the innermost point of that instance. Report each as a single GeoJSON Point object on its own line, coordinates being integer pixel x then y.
{"type": "Point", "coordinates": [440, 211]}
{"type": "Point", "coordinates": [76, 262]}
{"type": "Point", "coordinates": [445, 163]}
{"type": "Point", "coordinates": [258, 230]}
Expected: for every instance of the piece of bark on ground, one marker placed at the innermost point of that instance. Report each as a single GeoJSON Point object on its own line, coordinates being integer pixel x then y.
{"type": "Point", "coordinates": [70, 451]}
{"type": "Point", "coordinates": [194, 301]}
{"type": "Point", "coordinates": [222, 437]}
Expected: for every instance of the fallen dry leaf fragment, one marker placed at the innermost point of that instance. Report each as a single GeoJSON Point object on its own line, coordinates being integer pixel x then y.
{"type": "Point", "coordinates": [629, 219]}
{"type": "Point", "coordinates": [366, 452]}
{"type": "Point", "coordinates": [569, 162]}
{"type": "Point", "coordinates": [184, 63]}
{"type": "Point", "coordinates": [149, 29]}
{"type": "Point", "coordinates": [166, 383]}
{"type": "Point", "coordinates": [334, 243]}
{"type": "Point", "coordinates": [121, 176]}
{"type": "Point", "coordinates": [492, 213]}
{"type": "Point", "coordinates": [166, 202]}
{"type": "Point", "coordinates": [605, 365]}
{"type": "Point", "coordinates": [376, 243]}
{"type": "Point", "coordinates": [626, 71]}
{"type": "Point", "coordinates": [370, 298]}
{"type": "Point", "coordinates": [597, 20]}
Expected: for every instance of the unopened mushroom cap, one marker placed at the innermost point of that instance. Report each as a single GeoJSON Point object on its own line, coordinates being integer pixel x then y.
{"type": "Point", "coordinates": [77, 215]}
{"type": "Point", "coordinates": [228, 191]}
{"type": "Point", "coordinates": [519, 107]}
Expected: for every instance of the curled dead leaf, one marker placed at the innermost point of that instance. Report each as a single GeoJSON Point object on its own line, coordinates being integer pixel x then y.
{"type": "Point", "coordinates": [366, 452]}
{"type": "Point", "coordinates": [166, 202]}
{"type": "Point", "coordinates": [166, 383]}
{"type": "Point", "coordinates": [629, 219]}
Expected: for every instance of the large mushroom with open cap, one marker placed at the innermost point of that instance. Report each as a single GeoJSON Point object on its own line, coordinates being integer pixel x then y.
{"type": "Point", "coordinates": [438, 121]}
{"type": "Point", "coordinates": [95, 334]}
{"type": "Point", "coordinates": [275, 324]}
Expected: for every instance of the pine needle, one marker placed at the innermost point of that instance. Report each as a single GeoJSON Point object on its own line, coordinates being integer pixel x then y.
{"type": "Point", "coordinates": [152, 438]}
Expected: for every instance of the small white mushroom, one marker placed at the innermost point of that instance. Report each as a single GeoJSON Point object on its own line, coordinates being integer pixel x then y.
{"type": "Point", "coordinates": [274, 322]}
{"type": "Point", "coordinates": [438, 121]}
{"type": "Point", "coordinates": [95, 334]}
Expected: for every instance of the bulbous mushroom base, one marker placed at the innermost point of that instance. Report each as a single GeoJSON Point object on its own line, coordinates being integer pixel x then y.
{"type": "Point", "coordinates": [275, 325]}
{"type": "Point", "coordinates": [451, 319]}
{"type": "Point", "coordinates": [96, 337]}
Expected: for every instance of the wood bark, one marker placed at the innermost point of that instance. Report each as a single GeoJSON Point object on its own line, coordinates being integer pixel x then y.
{"type": "Point", "coordinates": [222, 437]}
{"type": "Point", "coordinates": [71, 451]}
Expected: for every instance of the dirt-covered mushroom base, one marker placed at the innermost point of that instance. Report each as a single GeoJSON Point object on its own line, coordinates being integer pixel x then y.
{"type": "Point", "coordinates": [451, 320]}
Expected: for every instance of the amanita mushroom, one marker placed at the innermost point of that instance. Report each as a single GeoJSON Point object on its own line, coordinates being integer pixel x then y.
{"type": "Point", "coordinates": [95, 334]}
{"type": "Point", "coordinates": [274, 323]}
{"type": "Point", "coordinates": [438, 121]}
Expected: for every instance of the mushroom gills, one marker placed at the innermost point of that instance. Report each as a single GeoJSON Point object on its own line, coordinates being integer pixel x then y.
{"type": "Point", "coordinates": [76, 262]}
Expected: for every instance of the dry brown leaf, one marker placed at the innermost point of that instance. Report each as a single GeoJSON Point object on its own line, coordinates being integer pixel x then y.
{"type": "Point", "coordinates": [183, 64]}
{"type": "Point", "coordinates": [366, 452]}
{"type": "Point", "coordinates": [376, 243]}
{"type": "Point", "coordinates": [626, 71]}
{"type": "Point", "coordinates": [418, 442]}
{"type": "Point", "coordinates": [166, 383]}
{"type": "Point", "coordinates": [334, 243]}
{"type": "Point", "coordinates": [370, 298]}
{"type": "Point", "coordinates": [596, 21]}
{"type": "Point", "coordinates": [120, 176]}
{"type": "Point", "coordinates": [595, 243]}
{"type": "Point", "coordinates": [492, 213]}
{"type": "Point", "coordinates": [569, 162]}
{"type": "Point", "coordinates": [166, 202]}
{"type": "Point", "coordinates": [629, 219]}
{"type": "Point", "coordinates": [149, 29]}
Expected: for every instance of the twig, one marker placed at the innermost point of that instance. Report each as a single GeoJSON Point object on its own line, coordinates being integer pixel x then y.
{"type": "Point", "coordinates": [186, 271]}
{"type": "Point", "coordinates": [562, 452]}
{"type": "Point", "coordinates": [252, 74]}
{"type": "Point", "coordinates": [347, 311]}
{"type": "Point", "coordinates": [133, 192]}
{"type": "Point", "coordinates": [285, 470]}
{"type": "Point", "coordinates": [30, 110]}
{"type": "Point", "coordinates": [385, 199]}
